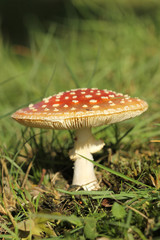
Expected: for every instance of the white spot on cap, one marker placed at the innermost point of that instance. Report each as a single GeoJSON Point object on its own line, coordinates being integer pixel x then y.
{"type": "Point", "coordinates": [74, 97]}
{"type": "Point", "coordinates": [46, 100]}
{"type": "Point", "coordinates": [95, 106]}
{"type": "Point", "coordinates": [119, 109]}
{"type": "Point", "coordinates": [66, 106]}
{"type": "Point", "coordinates": [58, 95]}
{"type": "Point", "coordinates": [43, 106]}
{"type": "Point", "coordinates": [79, 113]}
{"type": "Point", "coordinates": [93, 101]}
{"type": "Point", "coordinates": [104, 97]}
{"type": "Point", "coordinates": [110, 102]}
{"type": "Point", "coordinates": [111, 96]}
{"type": "Point", "coordinates": [55, 105]}
{"type": "Point", "coordinates": [56, 110]}
{"type": "Point", "coordinates": [73, 108]}
{"type": "Point", "coordinates": [83, 92]}
{"type": "Point", "coordinates": [127, 97]}
{"type": "Point", "coordinates": [84, 106]}
{"type": "Point", "coordinates": [57, 100]}
{"type": "Point", "coordinates": [122, 101]}
{"type": "Point", "coordinates": [119, 94]}
{"type": "Point", "coordinates": [132, 106]}
{"type": "Point", "coordinates": [30, 105]}
{"type": "Point", "coordinates": [98, 93]}
{"type": "Point", "coordinates": [75, 101]}
{"type": "Point", "coordinates": [72, 93]}
{"type": "Point", "coordinates": [88, 96]}
{"type": "Point", "coordinates": [46, 109]}
{"type": "Point", "coordinates": [66, 97]}
{"type": "Point", "coordinates": [126, 108]}
{"type": "Point", "coordinates": [110, 111]}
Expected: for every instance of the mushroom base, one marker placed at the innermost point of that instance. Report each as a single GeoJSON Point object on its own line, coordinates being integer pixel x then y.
{"type": "Point", "coordinates": [85, 145]}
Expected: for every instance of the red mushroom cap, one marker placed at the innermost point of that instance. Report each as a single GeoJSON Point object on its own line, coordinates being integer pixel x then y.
{"type": "Point", "coordinates": [79, 108]}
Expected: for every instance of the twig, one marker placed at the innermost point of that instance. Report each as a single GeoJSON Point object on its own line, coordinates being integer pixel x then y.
{"type": "Point", "coordinates": [4, 167]}
{"type": "Point", "coordinates": [155, 141]}
{"type": "Point", "coordinates": [42, 176]}
{"type": "Point", "coordinates": [5, 170]}
{"type": "Point", "coordinates": [26, 175]}
{"type": "Point", "coordinates": [135, 210]}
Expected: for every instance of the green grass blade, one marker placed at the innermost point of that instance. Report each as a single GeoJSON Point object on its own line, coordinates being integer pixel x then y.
{"type": "Point", "coordinates": [49, 82]}
{"type": "Point", "coordinates": [145, 194]}
{"type": "Point", "coordinates": [13, 163]}
{"type": "Point", "coordinates": [74, 78]}
{"type": "Point", "coordinates": [117, 173]}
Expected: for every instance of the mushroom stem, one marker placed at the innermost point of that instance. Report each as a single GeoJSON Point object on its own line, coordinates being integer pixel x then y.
{"type": "Point", "coordinates": [85, 145]}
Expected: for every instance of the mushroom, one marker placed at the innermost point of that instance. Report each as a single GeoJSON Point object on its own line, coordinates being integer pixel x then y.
{"type": "Point", "coordinates": [81, 109]}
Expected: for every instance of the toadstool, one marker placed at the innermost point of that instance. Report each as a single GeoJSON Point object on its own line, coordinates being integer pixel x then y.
{"type": "Point", "coordinates": [81, 109]}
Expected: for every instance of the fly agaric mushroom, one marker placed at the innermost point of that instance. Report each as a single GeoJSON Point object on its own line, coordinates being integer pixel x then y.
{"type": "Point", "coordinates": [81, 109]}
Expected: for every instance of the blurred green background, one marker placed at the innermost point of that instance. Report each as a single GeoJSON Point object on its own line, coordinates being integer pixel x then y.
{"type": "Point", "coordinates": [51, 46]}
{"type": "Point", "coordinates": [47, 46]}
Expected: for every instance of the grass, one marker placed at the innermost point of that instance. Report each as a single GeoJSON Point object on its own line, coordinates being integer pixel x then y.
{"type": "Point", "coordinates": [117, 49]}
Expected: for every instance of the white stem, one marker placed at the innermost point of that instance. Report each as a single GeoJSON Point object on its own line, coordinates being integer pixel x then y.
{"type": "Point", "coordinates": [84, 170]}
{"type": "Point", "coordinates": [85, 144]}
